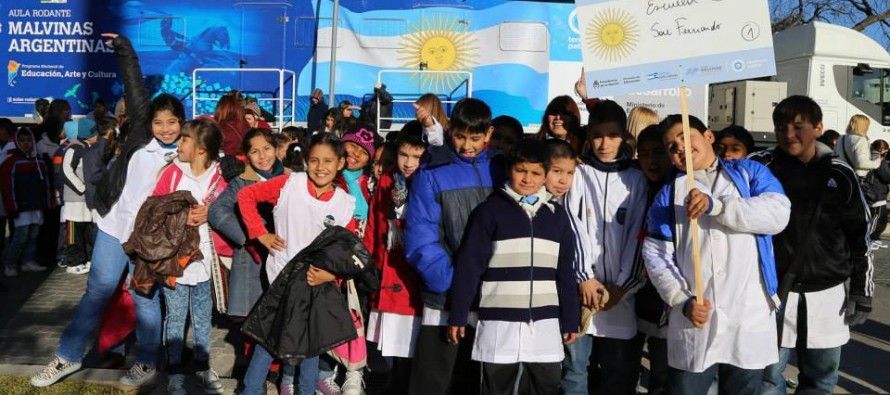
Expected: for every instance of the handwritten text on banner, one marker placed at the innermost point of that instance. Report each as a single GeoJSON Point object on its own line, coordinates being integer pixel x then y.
{"type": "Point", "coordinates": [638, 45]}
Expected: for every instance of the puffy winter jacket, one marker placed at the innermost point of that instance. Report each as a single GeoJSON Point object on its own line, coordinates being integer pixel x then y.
{"type": "Point", "coordinates": [245, 286]}
{"type": "Point", "coordinates": [443, 194]}
{"type": "Point", "coordinates": [165, 243]}
{"type": "Point", "coordinates": [25, 183]}
{"type": "Point", "coordinates": [108, 191]}
{"type": "Point", "coordinates": [294, 321]}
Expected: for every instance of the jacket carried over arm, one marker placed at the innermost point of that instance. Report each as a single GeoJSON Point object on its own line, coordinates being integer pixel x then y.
{"type": "Point", "coordinates": [295, 321]}
{"type": "Point", "coordinates": [165, 243]}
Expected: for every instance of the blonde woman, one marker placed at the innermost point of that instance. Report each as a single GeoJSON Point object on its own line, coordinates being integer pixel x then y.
{"type": "Point", "coordinates": [640, 118]}
{"type": "Point", "coordinates": [854, 148]}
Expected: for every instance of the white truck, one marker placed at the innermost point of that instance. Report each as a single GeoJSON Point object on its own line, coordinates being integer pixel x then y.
{"type": "Point", "coordinates": [845, 71]}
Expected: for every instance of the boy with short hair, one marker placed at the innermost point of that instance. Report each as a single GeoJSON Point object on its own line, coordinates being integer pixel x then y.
{"type": "Point", "coordinates": [459, 176]}
{"type": "Point", "coordinates": [738, 205]}
{"type": "Point", "coordinates": [519, 247]}
{"type": "Point", "coordinates": [608, 199]}
{"type": "Point", "coordinates": [24, 185]}
{"type": "Point", "coordinates": [825, 244]}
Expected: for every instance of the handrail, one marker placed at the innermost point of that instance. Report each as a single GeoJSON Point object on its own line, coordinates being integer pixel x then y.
{"type": "Point", "coordinates": [281, 115]}
{"type": "Point", "coordinates": [468, 81]}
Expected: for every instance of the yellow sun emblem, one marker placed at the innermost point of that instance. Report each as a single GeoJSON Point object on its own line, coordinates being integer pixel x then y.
{"type": "Point", "coordinates": [439, 43]}
{"type": "Point", "coordinates": [612, 35]}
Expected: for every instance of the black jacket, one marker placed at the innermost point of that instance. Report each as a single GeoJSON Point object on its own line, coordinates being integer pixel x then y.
{"type": "Point", "coordinates": [838, 247]}
{"type": "Point", "coordinates": [370, 113]}
{"type": "Point", "coordinates": [294, 321]}
{"type": "Point", "coordinates": [139, 118]}
{"type": "Point", "coordinates": [315, 117]}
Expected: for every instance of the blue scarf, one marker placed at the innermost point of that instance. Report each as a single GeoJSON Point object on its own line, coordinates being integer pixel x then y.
{"type": "Point", "coordinates": [276, 170]}
{"type": "Point", "coordinates": [361, 205]}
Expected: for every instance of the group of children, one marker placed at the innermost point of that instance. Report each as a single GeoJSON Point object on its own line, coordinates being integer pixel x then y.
{"type": "Point", "coordinates": [538, 265]}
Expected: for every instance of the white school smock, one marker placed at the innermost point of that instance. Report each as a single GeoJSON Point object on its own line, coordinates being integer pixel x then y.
{"type": "Point", "coordinates": [513, 342]}
{"type": "Point", "coordinates": [741, 330]}
{"type": "Point", "coordinates": [301, 217]}
{"type": "Point", "coordinates": [609, 209]}
{"type": "Point", "coordinates": [198, 272]}
{"type": "Point", "coordinates": [142, 175]}
{"type": "Point", "coordinates": [825, 319]}
{"type": "Point", "coordinates": [395, 334]}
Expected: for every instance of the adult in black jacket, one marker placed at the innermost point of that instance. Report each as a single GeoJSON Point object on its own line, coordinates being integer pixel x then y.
{"type": "Point", "coordinates": [294, 321]}
{"type": "Point", "coordinates": [371, 113]}
{"type": "Point", "coordinates": [317, 111]}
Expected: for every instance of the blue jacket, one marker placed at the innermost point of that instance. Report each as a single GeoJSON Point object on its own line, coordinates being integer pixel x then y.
{"type": "Point", "coordinates": [443, 194]}
{"type": "Point", "coordinates": [750, 179]}
{"type": "Point", "coordinates": [523, 264]}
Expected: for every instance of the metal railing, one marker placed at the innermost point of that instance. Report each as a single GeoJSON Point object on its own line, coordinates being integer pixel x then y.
{"type": "Point", "coordinates": [465, 78]}
{"type": "Point", "coordinates": [284, 104]}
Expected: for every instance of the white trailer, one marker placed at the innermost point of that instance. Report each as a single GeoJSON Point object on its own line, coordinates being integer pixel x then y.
{"type": "Point", "coordinates": [845, 71]}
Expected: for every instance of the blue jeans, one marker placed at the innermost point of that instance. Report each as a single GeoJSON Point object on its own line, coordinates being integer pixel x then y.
{"type": "Point", "coordinates": [732, 380]}
{"type": "Point", "coordinates": [22, 247]}
{"type": "Point", "coordinates": [818, 371]}
{"type": "Point", "coordinates": [181, 301]}
{"type": "Point", "coordinates": [109, 264]}
{"type": "Point", "coordinates": [255, 376]}
{"type": "Point", "coordinates": [618, 362]}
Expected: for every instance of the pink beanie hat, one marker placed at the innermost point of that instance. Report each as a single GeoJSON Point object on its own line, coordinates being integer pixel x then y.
{"type": "Point", "coordinates": [363, 137]}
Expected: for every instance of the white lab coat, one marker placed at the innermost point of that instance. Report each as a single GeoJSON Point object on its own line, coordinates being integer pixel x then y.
{"type": "Point", "coordinates": [609, 209]}
{"type": "Point", "coordinates": [741, 330]}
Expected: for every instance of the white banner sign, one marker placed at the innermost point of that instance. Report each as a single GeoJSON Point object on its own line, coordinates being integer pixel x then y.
{"type": "Point", "coordinates": [641, 45]}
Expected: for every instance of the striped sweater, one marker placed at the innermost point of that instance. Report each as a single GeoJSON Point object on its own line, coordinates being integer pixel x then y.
{"type": "Point", "coordinates": [515, 262]}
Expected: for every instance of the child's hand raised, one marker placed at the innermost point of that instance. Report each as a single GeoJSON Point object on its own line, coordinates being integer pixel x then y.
{"type": "Point", "coordinates": [455, 333]}
{"type": "Point", "coordinates": [316, 276]}
{"type": "Point", "coordinates": [423, 115]}
{"type": "Point", "coordinates": [272, 242]}
{"type": "Point", "coordinates": [697, 204]}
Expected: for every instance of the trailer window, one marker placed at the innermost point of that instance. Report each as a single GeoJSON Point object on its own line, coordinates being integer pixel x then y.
{"type": "Point", "coordinates": [871, 93]}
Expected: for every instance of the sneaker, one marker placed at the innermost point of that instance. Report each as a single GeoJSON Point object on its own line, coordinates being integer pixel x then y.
{"type": "Point", "coordinates": [10, 272]}
{"type": "Point", "coordinates": [33, 267]}
{"type": "Point", "coordinates": [176, 385]}
{"type": "Point", "coordinates": [79, 269]}
{"type": "Point", "coordinates": [55, 371]}
{"type": "Point", "coordinates": [285, 389]}
{"type": "Point", "coordinates": [62, 262]}
{"type": "Point", "coordinates": [354, 384]}
{"type": "Point", "coordinates": [328, 386]}
{"type": "Point", "coordinates": [209, 380]}
{"type": "Point", "coordinates": [139, 374]}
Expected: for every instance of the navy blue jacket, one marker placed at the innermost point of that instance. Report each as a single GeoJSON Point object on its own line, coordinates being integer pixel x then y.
{"type": "Point", "coordinates": [443, 194]}
{"type": "Point", "coordinates": [520, 266]}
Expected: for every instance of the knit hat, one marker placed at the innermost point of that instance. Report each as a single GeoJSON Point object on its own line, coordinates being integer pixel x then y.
{"type": "Point", "coordinates": [86, 128]}
{"type": "Point", "coordinates": [363, 137]}
{"type": "Point", "coordinates": [254, 108]}
{"type": "Point", "coordinates": [317, 94]}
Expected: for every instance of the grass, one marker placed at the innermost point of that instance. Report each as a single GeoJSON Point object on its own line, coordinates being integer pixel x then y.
{"type": "Point", "coordinates": [21, 386]}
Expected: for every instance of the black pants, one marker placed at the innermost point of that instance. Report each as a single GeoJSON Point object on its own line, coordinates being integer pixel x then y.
{"type": "Point", "coordinates": [48, 240]}
{"type": "Point", "coordinates": [79, 240]}
{"type": "Point", "coordinates": [658, 365]}
{"type": "Point", "coordinates": [441, 365]}
{"type": "Point", "coordinates": [399, 376]}
{"type": "Point", "coordinates": [500, 379]}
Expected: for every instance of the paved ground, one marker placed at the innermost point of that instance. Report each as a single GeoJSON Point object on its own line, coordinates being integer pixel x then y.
{"type": "Point", "coordinates": [37, 306]}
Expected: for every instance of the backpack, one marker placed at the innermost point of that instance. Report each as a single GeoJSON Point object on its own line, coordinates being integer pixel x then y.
{"type": "Point", "coordinates": [871, 188]}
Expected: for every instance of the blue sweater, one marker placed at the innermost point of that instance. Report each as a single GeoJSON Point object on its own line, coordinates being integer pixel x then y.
{"type": "Point", "coordinates": [520, 267]}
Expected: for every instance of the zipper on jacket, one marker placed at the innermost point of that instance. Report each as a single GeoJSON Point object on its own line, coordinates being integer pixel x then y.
{"type": "Point", "coordinates": [531, 270]}
{"type": "Point", "coordinates": [476, 169]}
{"type": "Point", "coordinates": [605, 209]}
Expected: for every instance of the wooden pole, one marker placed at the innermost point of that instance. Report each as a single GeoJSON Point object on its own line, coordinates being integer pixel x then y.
{"type": "Point", "coordinates": [690, 183]}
